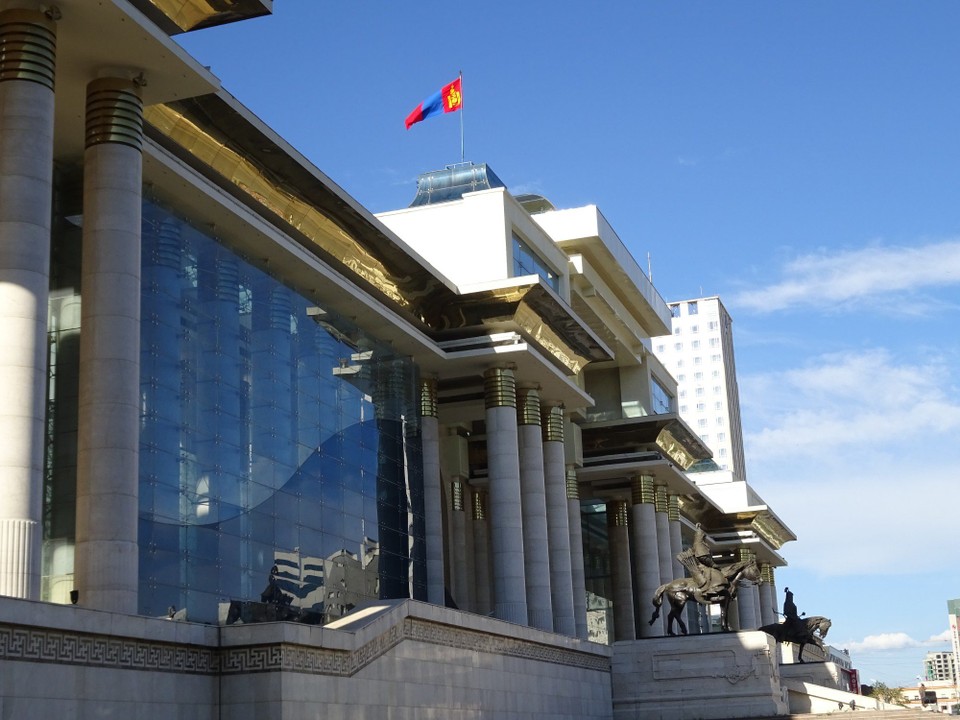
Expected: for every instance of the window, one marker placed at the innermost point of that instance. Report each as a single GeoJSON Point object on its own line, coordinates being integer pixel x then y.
{"type": "Point", "coordinates": [716, 389]}
{"type": "Point", "coordinates": [719, 422]}
{"type": "Point", "coordinates": [683, 409]}
{"type": "Point", "coordinates": [721, 437]}
{"type": "Point", "coordinates": [701, 407]}
{"type": "Point", "coordinates": [661, 348]}
{"type": "Point", "coordinates": [681, 377]}
{"type": "Point", "coordinates": [678, 346]}
{"type": "Point", "coordinates": [683, 394]}
{"type": "Point", "coordinates": [713, 325]}
{"type": "Point", "coordinates": [698, 376]}
{"type": "Point", "coordinates": [679, 363]}
{"type": "Point", "coordinates": [527, 262]}
{"type": "Point", "coordinates": [661, 399]}
{"type": "Point", "coordinates": [674, 311]}
{"type": "Point", "coordinates": [705, 438]}
{"type": "Point", "coordinates": [723, 452]}
{"type": "Point", "coordinates": [715, 373]}
{"type": "Point", "coordinates": [714, 342]}
{"type": "Point", "coordinates": [718, 405]}
{"type": "Point", "coordinates": [694, 328]}
{"type": "Point", "coordinates": [698, 360]}
{"type": "Point", "coordinates": [676, 330]}
{"type": "Point", "coordinates": [692, 308]}
{"type": "Point", "coordinates": [695, 344]}
{"type": "Point", "coordinates": [715, 358]}
{"type": "Point", "coordinates": [700, 392]}
{"type": "Point", "coordinates": [702, 422]}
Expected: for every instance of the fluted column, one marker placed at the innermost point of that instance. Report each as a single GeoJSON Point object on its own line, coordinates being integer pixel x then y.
{"type": "Point", "coordinates": [577, 573]}
{"type": "Point", "coordinates": [618, 538]}
{"type": "Point", "coordinates": [746, 597]}
{"type": "Point", "coordinates": [27, 54]}
{"type": "Point", "coordinates": [558, 521]}
{"type": "Point", "coordinates": [646, 554]}
{"type": "Point", "coordinates": [481, 554]}
{"type": "Point", "coordinates": [536, 548]}
{"type": "Point", "coordinates": [768, 601]}
{"type": "Point", "coordinates": [503, 470]}
{"type": "Point", "coordinates": [432, 496]}
{"type": "Point", "coordinates": [109, 412]}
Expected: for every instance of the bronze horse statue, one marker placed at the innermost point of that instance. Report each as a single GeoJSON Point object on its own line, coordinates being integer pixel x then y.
{"type": "Point", "coordinates": [720, 592]}
{"type": "Point", "coordinates": [802, 631]}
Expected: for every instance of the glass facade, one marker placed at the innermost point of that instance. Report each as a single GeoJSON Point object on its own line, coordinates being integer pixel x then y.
{"type": "Point", "coordinates": [279, 443]}
{"type": "Point", "coordinates": [527, 262]}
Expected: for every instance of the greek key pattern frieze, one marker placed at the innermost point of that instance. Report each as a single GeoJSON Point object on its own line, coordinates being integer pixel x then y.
{"type": "Point", "coordinates": [499, 645]}
{"type": "Point", "coordinates": [66, 648]}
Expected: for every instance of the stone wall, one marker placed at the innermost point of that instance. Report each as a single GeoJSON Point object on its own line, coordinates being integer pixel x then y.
{"type": "Point", "coordinates": [401, 660]}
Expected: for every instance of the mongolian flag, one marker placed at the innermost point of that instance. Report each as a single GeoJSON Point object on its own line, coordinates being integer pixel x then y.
{"type": "Point", "coordinates": [448, 99]}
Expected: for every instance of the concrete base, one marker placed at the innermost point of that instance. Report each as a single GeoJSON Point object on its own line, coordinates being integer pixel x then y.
{"type": "Point", "coordinates": [697, 677]}
{"type": "Point", "coordinates": [401, 660]}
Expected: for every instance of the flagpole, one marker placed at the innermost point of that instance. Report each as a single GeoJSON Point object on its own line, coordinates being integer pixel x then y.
{"type": "Point", "coordinates": [462, 156]}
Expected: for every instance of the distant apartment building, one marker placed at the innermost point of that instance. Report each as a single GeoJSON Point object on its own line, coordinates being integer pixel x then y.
{"type": "Point", "coordinates": [699, 353]}
{"type": "Point", "coordinates": [940, 666]}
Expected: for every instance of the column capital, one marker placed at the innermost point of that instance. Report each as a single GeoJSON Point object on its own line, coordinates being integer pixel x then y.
{"type": "Point", "coordinates": [528, 405]}
{"type": "Point", "coordinates": [456, 496]}
{"type": "Point", "coordinates": [428, 397]}
{"type": "Point", "coordinates": [673, 507]}
{"type": "Point", "coordinates": [642, 489]}
{"type": "Point", "coordinates": [552, 421]}
{"type": "Point", "coordinates": [499, 388]}
{"type": "Point", "coordinates": [29, 42]}
{"type": "Point", "coordinates": [114, 113]}
{"type": "Point", "coordinates": [660, 499]}
{"type": "Point", "coordinates": [618, 514]}
{"type": "Point", "coordinates": [573, 488]}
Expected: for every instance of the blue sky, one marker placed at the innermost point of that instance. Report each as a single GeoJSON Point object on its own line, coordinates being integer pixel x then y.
{"type": "Point", "coordinates": [801, 160]}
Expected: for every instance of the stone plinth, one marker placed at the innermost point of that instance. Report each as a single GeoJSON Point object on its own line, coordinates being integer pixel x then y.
{"type": "Point", "coordinates": [697, 677]}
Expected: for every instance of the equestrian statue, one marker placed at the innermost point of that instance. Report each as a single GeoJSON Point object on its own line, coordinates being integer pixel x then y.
{"type": "Point", "coordinates": [796, 629]}
{"type": "Point", "coordinates": [708, 584]}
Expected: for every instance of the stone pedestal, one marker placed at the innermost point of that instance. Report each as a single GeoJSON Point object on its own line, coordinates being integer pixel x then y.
{"type": "Point", "coordinates": [697, 677]}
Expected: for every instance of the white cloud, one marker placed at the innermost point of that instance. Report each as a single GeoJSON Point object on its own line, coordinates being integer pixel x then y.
{"type": "Point", "coordinates": [863, 400]}
{"type": "Point", "coordinates": [894, 641]}
{"type": "Point", "coordinates": [857, 454]}
{"type": "Point", "coordinates": [877, 274]}
{"type": "Point", "coordinates": [943, 637]}
{"type": "Point", "coordinates": [884, 641]}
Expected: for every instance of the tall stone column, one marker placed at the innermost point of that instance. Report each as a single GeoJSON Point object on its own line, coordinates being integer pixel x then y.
{"type": "Point", "coordinates": [577, 574]}
{"type": "Point", "coordinates": [481, 554]}
{"type": "Point", "coordinates": [432, 497]}
{"type": "Point", "coordinates": [109, 412]}
{"type": "Point", "coordinates": [27, 54]}
{"type": "Point", "coordinates": [558, 521]}
{"type": "Point", "coordinates": [746, 597]}
{"type": "Point", "coordinates": [646, 554]}
{"type": "Point", "coordinates": [618, 538]}
{"type": "Point", "coordinates": [536, 548]}
{"type": "Point", "coordinates": [676, 536]}
{"type": "Point", "coordinates": [459, 581]}
{"type": "Point", "coordinates": [662, 505]}
{"type": "Point", "coordinates": [503, 470]}
{"type": "Point", "coordinates": [768, 602]}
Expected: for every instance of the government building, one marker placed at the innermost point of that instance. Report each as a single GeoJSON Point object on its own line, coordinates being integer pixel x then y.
{"type": "Point", "coordinates": [267, 455]}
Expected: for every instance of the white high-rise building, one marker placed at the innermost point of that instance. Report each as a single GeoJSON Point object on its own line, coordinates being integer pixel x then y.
{"type": "Point", "coordinates": [700, 355]}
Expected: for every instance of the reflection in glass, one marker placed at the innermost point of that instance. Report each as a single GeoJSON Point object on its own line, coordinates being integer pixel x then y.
{"type": "Point", "coordinates": [274, 435]}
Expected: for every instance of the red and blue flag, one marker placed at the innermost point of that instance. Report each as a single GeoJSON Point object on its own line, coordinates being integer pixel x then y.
{"type": "Point", "coordinates": [448, 99]}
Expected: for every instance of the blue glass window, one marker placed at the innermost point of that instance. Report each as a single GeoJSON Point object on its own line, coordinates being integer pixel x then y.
{"type": "Point", "coordinates": [527, 262]}
{"type": "Point", "coordinates": [278, 441]}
